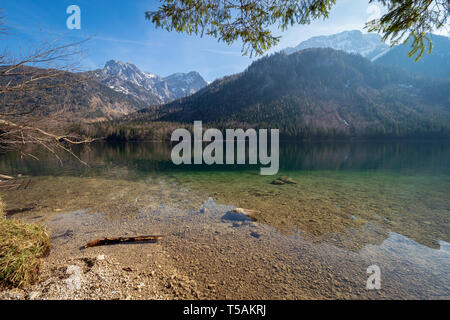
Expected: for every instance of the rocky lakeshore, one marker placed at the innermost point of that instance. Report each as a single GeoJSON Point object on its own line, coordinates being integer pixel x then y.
{"type": "Point", "coordinates": [102, 277]}
{"type": "Point", "coordinates": [208, 250]}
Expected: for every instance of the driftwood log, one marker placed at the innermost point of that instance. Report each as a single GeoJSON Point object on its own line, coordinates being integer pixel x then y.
{"type": "Point", "coordinates": [116, 240]}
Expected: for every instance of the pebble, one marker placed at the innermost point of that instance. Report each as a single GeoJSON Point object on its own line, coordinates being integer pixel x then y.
{"type": "Point", "coordinates": [74, 281]}
{"type": "Point", "coordinates": [34, 295]}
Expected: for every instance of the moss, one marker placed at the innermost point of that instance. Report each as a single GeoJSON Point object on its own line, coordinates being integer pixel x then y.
{"type": "Point", "coordinates": [22, 246]}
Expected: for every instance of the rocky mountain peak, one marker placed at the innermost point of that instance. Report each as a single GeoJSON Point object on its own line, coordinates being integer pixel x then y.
{"type": "Point", "coordinates": [148, 87]}
{"type": "Point", "coordinates": [367, 45]}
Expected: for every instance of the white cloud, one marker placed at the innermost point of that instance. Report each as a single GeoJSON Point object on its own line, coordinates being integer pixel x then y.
{"type": "Point", "coordinates": [374, 11]}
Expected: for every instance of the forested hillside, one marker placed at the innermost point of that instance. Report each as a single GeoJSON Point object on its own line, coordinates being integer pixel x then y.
{"type": "Point", "coordinates": [319, 93]}
{"type": "Point", "coordinates": [70, 96]}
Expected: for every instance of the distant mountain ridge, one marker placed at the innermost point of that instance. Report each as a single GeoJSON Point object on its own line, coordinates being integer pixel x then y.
{"type": "Point", "coordinates": [436, 64]}
{"type": "Point", "coordinates": [73, 97]}
{"type": "Point", "coordinates": [150, 88]}
{"type": "Point", "coordinates": [371, 47]}
{"type": "Point", "coordinates": [367, 45]}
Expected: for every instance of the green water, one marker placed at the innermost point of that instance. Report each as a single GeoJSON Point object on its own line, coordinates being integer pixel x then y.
{"type": "Point", "coordinates": [401, 185]}
{"type": "Point", "coordinates": [392, 196]}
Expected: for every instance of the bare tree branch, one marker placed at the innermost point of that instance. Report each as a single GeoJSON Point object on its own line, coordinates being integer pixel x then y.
{"type": "Point", "coordinates": [22, 80]}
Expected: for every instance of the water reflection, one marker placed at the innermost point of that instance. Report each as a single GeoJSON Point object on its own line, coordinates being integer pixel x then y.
{"type": "Point", "coordinates": [431, 157]}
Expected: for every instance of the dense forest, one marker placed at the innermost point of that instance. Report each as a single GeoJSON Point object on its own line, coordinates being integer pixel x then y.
{"type": "Point", "coordinates": [317, 93]}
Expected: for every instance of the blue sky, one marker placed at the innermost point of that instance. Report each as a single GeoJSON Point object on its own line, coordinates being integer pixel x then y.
{"type": "Point", "coordinates": [119, 31]}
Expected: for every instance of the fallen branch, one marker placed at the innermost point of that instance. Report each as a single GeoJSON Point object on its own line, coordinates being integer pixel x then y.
{"type": "Point", "coordinates": [116, 240]}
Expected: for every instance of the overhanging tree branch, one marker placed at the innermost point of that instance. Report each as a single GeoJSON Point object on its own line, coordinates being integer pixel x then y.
{"type": "Point", "coordinates": [250, 21]}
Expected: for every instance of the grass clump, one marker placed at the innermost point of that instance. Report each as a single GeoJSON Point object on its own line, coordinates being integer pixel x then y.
{"type": "Point", "coordinates": [22, 246]}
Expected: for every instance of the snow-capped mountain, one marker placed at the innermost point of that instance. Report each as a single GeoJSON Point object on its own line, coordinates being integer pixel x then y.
{"type": "Point", "coordinates": [145, 86]}
{"type": "Point", "coordinates": [368, 45]}
{"type": "Point", "coordinates": [185, 84]}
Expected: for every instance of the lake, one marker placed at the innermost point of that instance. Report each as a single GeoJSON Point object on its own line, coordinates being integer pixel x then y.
{"type": "Point", "coordinates": [351, 205]}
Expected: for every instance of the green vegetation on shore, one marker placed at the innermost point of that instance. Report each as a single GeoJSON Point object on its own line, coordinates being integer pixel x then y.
{"type": "Point", "coordinates": [22, 246]}
{"type": "Point", "coordinates": [129, 130]}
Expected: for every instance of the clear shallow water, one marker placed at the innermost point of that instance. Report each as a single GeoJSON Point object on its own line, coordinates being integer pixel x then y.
{"type": "Point", "coordinates": [353, 205]}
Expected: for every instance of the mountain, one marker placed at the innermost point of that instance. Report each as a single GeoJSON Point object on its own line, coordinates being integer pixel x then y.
{"type": "Point", "coordinates": [71, 96]}
{"type": "Point", "coordinates": [317, 93]}
{"type": "Point", "coordinates": [110, 93]}
{"type": "Point", "coordinates": [185, 84]}
{"type": "Point", "coordinates": [150, 88]}
{"type": "Point", "coordinates": [436, 64]}
{"type": "Point", "coordinates": [368, 45]}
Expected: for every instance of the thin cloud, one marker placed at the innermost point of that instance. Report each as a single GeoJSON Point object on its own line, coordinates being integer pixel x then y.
{"type": "Point", "coordinates": [33, 31]}
{"type": "Point", "coordinates": [224, 52]}
{"type": "Point", "coordinates": [126, 41]}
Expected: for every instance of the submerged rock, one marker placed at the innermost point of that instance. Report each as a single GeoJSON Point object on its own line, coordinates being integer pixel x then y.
{"type": "Point", "coordinates": [235, 216]}
{"type": "Point", "coordinates": [283, 180]}
{"type": "Point", "coordinates": [242, 215]}
{"type": "Point", "coordinates": [252, 214]}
